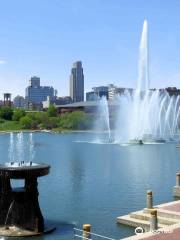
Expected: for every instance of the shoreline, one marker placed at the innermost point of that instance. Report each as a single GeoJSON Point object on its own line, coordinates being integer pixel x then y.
{"type": "Point", "coordinates": [44, 131]}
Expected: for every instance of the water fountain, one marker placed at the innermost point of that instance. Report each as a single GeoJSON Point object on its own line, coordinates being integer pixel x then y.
{"type": "Point", "coordinates": [31, 147]}
{"type": "Point", "coordinates": [103, 121]}
{"type": "Point", "coordinates": [20, 147]}
{"type": "Point", "coordinates": [11, 147]}
{"type": "Point", "coordinates": [145, 115]}
{"type": "Point", "coordinates": [152, 114]}
{"type": "Point", "coordinates": [143, 77]}
{"type": "Point", "coordinates": [19, 206]}
{"type": "Point", "coordinates": [20, 210]}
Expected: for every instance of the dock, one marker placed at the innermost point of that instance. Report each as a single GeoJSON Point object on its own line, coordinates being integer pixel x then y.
{"type": "Point", "coordinates": [168, 218]}
{"type": "Point", "coordinates": [160, 222]}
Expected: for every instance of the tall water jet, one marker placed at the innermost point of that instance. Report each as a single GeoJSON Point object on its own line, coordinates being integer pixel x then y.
{"type": "Point", "coordinates": [144, 114]}
{"type": "Point", "coordinates": [19, 147]}
{"type": "Point", "coordinates": [143, 71]}
{"type": "Point", "coordinates": [31, 147]}
{"type": "Point", "coordinates": [142, 87]}
{"type": "Point", "coordinates": [11, 147]}
{"type": "Point", "coordinates": [103, 120]}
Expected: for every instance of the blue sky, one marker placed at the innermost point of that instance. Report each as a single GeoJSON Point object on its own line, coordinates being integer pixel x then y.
{"type": "Point", "coordinates": [44, 37]}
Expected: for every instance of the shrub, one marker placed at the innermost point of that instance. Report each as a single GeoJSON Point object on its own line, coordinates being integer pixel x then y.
{"type": "Point", "coordinates": [74, 120]}
{"type": "Point", "coordinates": [31, 115]}
{"type": "Point", "coordinates": [26, 122]}
{"type": "Point", "coordinates": [52, 111]}
{"type": "Point", "coordinates": [6, 113]}
{"type": "Point", "coordinates": [18, 113]}
{"type": "Point", "coordinates": [39, 116]}
{"type": "Point", "coordinates": [49, 123]}
{"type": "Point", "coordinates": [2, 120]}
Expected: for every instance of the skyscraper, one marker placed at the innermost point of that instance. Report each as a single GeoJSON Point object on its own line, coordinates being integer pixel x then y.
{"type": "Point", "coordinates": [34, 81]}
{"type": "Point", "coordinates": [35, 93]}
{"type": "Point", "coordinates": [77, 82]}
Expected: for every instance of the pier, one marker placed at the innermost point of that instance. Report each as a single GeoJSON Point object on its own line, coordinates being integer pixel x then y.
{"type": "Point", "coordinates": [160, 222]}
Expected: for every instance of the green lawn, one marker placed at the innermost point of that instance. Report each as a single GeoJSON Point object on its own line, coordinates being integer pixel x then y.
{"type": "Point", "coordinates": [10, 125]}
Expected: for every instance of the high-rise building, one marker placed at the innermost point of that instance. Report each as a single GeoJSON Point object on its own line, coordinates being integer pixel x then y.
{"type": "Point", "coordinates": [101, 91]}
{"type": "Point", "coordinates": [91, 96]}
{"type": "Point", "coordinates": [35, 93]}
{"type": "Point", "coordinates": [34, 81]}
{"type": "Point", "coordinates": [112, 91]}
{"type": "Point", "coordinates": [77, 82]}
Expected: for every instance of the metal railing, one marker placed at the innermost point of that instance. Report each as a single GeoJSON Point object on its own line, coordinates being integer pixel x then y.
{"type": "Point", "coordinates": [79, 234]}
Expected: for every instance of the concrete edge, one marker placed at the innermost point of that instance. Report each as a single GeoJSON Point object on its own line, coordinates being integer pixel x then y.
{"type": "Point", "coordinates": [165, 230]}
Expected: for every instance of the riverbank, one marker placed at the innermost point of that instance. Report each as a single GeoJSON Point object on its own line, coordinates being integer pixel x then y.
{"type": "Point", "coordinates": [45, 131]}
{"type": "Point", "coordinates": [44, 121]}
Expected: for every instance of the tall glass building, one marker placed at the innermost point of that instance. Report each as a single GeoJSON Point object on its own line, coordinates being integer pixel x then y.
{"type": "Point", "coordinates": [36, 93]}
{"type": "Point", "coordinates": [77, 82]}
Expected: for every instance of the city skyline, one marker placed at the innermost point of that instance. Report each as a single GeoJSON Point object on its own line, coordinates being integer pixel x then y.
{"type": "Point", "coordinates": [105, 40]}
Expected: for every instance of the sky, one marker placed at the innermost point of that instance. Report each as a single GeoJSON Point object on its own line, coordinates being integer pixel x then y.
{"type": "Point", "coordinates": [45, 37]}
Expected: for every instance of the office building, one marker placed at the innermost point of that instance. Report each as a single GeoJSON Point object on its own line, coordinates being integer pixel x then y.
{"type": "Point", "coordinates": [77, 82]}
{"type": "Point", "coordinates": [34, 81]}
{"type": "Point", "coordinates": [91, 96]}
{"type": "Point", "coordinates": [114, 91]}
{"type": "Point", "coordinates": [36, 94]}
{"type": "Point", "coordinates": [56, 101]}
{"type": "Point", "coordinates": [97, 93]}
{"type": "Point", "coordinates": [101, 91]}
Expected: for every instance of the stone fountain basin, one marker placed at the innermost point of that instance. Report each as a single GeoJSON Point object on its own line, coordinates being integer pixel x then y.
{"type": "Point", "coordinates": [14, 231]}
{"type": "Point", "coordinates": [23, 171]}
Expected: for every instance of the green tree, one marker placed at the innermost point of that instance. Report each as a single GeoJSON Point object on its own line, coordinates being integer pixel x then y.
{"type": "Point", "coordinates": [49, 122]}
{"type": "Point", "coordinates": [26, 122]}
{"type": "Point", "coordinates": [74, 120]}
{"type": "Point", "coordinates": [52, 111]}
{"type": "Point", "coordinates": [18, 113]}
{"type": "Point", "coordinates": [39, 116]}
{"type": "Point", "coordinates": [6, 113]}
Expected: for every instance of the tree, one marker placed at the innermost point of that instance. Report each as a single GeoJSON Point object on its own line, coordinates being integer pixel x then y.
{"type": "Point", "coordinates": [74, 120]}
{"type": "Point", "coordinates": [26, 122]}
{"type": "Point", "coordinates": [6, 113]}
{"type": "Point", "coordinates": [49, 122]}
{"type": "Point", "coordinates": [52, 111]}
{"type": "Point", "coordinates": [18, 113]}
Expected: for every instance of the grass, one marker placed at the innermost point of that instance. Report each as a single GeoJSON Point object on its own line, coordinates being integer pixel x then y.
{"type": "Point", "coordinates": [10, 125]}
{"type": "Point", "coordinates": [75, 121]}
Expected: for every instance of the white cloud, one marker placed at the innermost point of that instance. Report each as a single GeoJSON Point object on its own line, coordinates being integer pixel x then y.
{"type": "Point", "coordinates": [2, 61]}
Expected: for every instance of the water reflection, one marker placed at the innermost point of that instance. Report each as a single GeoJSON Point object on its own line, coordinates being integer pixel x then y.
{"type": "Point", "coordinates": [95, 183]}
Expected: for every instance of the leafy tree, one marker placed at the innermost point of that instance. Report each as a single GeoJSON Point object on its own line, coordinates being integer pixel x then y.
{"type": "Point", "coordinates": [31, 115]}
{"type": "Point", "coordinates": [18, 113]}
{"type": "Point", "coordinates": [48, 122]}
{"type": "Point", "coordinates": [39, 116]}
{"type": "Point", "coordinates": [26, 122]}
{"type": "Point", "coordinates": [74, 120]}
{"type": "Point", "coordinates": [6, 113]}
{"type": "Point", "coordinates": [54, 122]}
{"type": "Point", "coordinates": [52, 111]}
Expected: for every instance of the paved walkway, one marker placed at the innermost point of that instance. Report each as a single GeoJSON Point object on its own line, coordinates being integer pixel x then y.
{"type": "Point", "coordinates": [168, 233]}
{"type": "Point", "coordinates": [175, 235]}
{"type": "Point", "coordinates": [175, 207]}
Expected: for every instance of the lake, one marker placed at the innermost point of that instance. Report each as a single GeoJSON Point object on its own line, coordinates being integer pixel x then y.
{"type": "Point", "coordinates": [94, 183]}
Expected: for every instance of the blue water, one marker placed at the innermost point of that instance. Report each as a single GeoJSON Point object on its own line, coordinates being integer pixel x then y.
{"type": "Point", "coordinates": [95, 183]}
